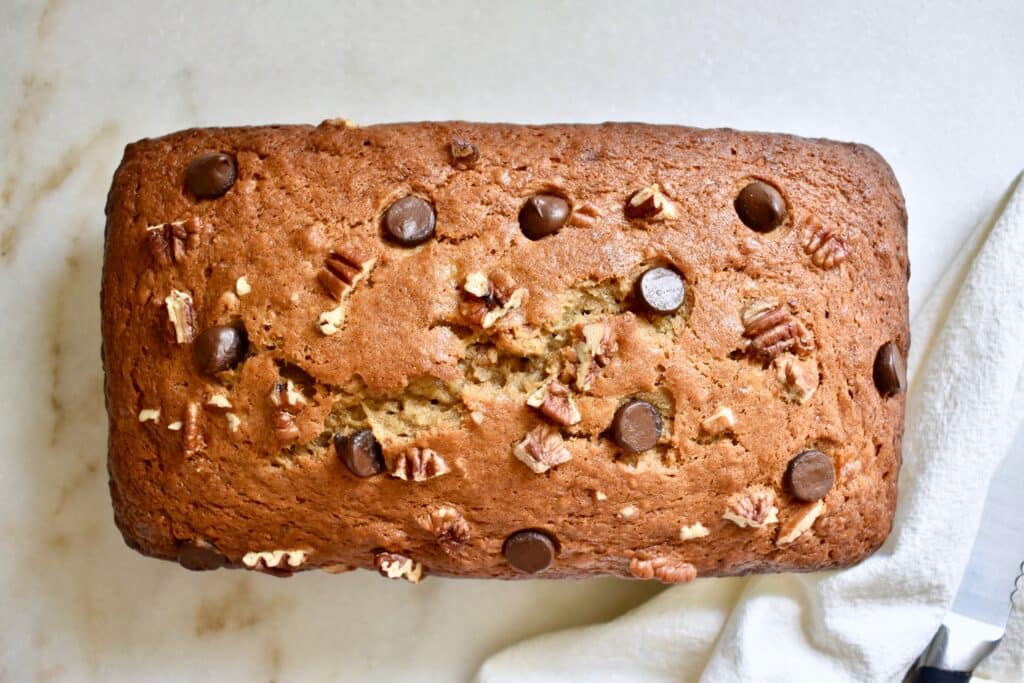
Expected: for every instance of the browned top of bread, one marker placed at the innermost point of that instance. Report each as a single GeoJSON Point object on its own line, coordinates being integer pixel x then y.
{"type": "Point", "coordinates": [405, 350]}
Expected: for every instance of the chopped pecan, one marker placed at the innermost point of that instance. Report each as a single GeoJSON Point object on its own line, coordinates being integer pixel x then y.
{"type": "Point", "coordinates": [824, 244]}
{"type": "Point", "coordinates": [242, 286]}
{"type": "Point", "coordinates": [169, 242]}
{"type": "Point", "coordinates": [799, 522]}
{"type": "Point", "coordinates": [585, 215]}
{"type": "Point", "coordinates": [448, 526]}
{"type": "Point", "coordinates": [275, 559]}
{"type": "Point", "coordinates": [593, 352]}
{"type": "Point", "coordinates": [330, 321]}
{"type": "Point", "coordinates": [692, 531]}
{"type": "Point", "coordinates": [286, 395]}
{"type": "Point", "coordinates": [650, 203]}
{"type": "Point", "coordinates": [799, 379]}
{"type": "Point", "coordinates": [664, 569]}
{"type": "Point", "coordinates": [719, 422]}
{"type": "Point", "coordinates": [489, 299]}
{"type": "Point", "coordinates": [342, 269]}
{"type": "Point", "coordinates": [218, 403]}
{"type": "Point", "coordinates": [181, 318]}
{"type": "Point", "coordinates": [542, 449]}
{"type": "Point", "coordinates": [419, 464]}
{"type": "Point", "coordinates": [149, 415]}
{"type": "Point", "coordinates": [772, 329]}
{"type": "Point", "coordinates": [554, 401]}
{"type": "Point", "coordinates": [192, 435]}
{"type": "Point", "coordinates": [397, 566]}
{"type": "Point", "coordinates": [284, 425]}
{"type": "Point", "coordinates": [464, 154]}
{"type": "Point", "coordinates": [753, 508]}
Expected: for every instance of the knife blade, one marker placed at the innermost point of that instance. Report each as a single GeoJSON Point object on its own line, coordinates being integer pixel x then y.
{"type": "Point", "coordinates": [977, 620]}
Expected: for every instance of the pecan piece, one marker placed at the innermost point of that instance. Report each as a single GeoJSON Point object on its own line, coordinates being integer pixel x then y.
{"type": "Point", "coordinates": [799, 379]}
{"type": "Point", "coordinates": [719, 422]}
{"type": "Point", "coordinates": [664, 569]}
{"type": "Point", "coordinates": [342, 269]}
{"type": "Point", "coordinates": [464, 154]}
{"type": "Point", "coordinates": [275, 559]}
{"type": "Point", "coordinates": [489, 299]}
{"type": "Point", "coordinates": [448, 526]}
{"type": "Point", "coordinates": [192, 434]}
{"type": "Point", "coordinates": [169, 242]}
{"type": "Point", "coordinates": [771, 329]}
{"type": "Point", "coordinates": [799, 523]}
{"type": "Point", "coordinates": [593, 352]}
{"type": "Point", "coordinates": [398, 566]}
{"type": "Point", "coordinates": [824, 244]}
{"type": "Point", "coordinates": [650, 203]}
{"type": "Point", "coordinates": [692, 531]}
{"type": "Point", "coordinates": [553, 400]}
{"type": "Point", "coordinates": [585, 215]}
{"type": "Point", "coordinates": [287, 401]}
{"type": "Point", "coordinates": [181, 317]}
{"type": "Point", "coordinates": [754, 508]}
{"type": "Point", "coordinates": [419, 464]}
{"type": "Point", "coordinates": [542, 449]}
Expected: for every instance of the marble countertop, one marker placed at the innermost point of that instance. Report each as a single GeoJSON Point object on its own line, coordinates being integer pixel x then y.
{"type": "Point", "coordinates": [935, 87]}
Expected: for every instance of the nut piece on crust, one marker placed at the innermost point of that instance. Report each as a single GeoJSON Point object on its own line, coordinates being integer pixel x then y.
{"type": "Point", "coordinates": [169, 242]}
{"type": "Point", "coordinates": [824, 244]}
{"type": "Point", "coordinates": [448, 526]}
{"type": "Point", "coordinates": [593, 352]}
{"type": "Point", "coordinates": [192, 436]}
{"type": "Point", "coordinates": [343, 268]}
{"type": "Point", "coordinates": [489, 299]}
{"type": "Point", "coordinates": [181, 321]}
{"type": "Point", "coordinates": [553, 400]}
{"type": "Point", "coordinates": [753, 508]}
{"type": "Point", "coordinates": [799, 522]}
{"type": "Point", "coordinates": [275, 559]}
{"type": "Point", "coordinates": [542, 449]}
{"type": "Point", "coordinates": [650, 203]}
{"type": "Point", "coordinates": [799, 378]}
{"type": "Point", "coordinates": [664, 569]}
{"type": "Point", "coordinates": [692, 531]}
{"type": "Point", "coordinates": [771, 328]}
{"type": "Point", "coordinates": [397, 566]}
{"type": "Point", "coordinates": [718, 422]}
{"type": "Point", "coordinates": [464, 154]}
{"type": "Point", "coordinates": [419, 464]}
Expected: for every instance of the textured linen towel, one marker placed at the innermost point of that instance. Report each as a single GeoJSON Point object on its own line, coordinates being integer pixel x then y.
{"type": "Point", "coordinates": [870, 622]}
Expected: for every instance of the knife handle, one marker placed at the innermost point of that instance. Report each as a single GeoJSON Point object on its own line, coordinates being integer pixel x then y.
{"type": "Point", "coordinates": [929, 674]}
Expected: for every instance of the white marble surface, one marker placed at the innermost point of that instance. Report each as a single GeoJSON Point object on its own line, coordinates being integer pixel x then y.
{"type": "Point", "coordinates": [935, 86]}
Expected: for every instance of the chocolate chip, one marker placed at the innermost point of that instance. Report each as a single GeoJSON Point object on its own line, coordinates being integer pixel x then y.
{"type": "Point", "coordinates": [760, 206]}
{"type": "Point", "coordinates": [360, 452]}
{"type": "Point", "coordinates": [409, 221]}
{"type": "Point", "coordinates": [890, 372]}
{"type": "Point", "coordinates": [660, 290]}
{"type": "Point", "coordinates": [529, 551]}
{"type": "Point", "coordinates": [221, 347]}
{"type": "Point", "coordinates": [543, 215]}
{"type": "Point", "coordinates": [810, 475]}
{"type": "Point", "coordinates": [636, 426]}
{"type": "Point", "coordinates": [211, 175]}
{"type": "Point", "coordinates": [200, 556]}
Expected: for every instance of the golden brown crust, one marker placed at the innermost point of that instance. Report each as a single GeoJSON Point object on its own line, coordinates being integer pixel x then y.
{"type": "Point", "coordinates": [407, 364]}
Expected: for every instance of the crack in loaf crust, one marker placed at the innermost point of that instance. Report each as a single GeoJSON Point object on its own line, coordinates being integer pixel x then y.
{"type": "Point", "coordinates": [493, 370]}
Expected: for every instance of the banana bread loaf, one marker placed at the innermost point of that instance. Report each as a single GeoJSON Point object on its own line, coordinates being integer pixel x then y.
{"type": "Point", "coordinates": [504, 351]}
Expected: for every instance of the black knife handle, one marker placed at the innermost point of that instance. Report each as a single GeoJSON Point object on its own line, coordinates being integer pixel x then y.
{"type": "Point", "coordinates": [929, 674]}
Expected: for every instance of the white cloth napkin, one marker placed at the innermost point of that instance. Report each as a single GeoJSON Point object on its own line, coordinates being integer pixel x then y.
{"type": "Point", "coordinates": [870, 622]}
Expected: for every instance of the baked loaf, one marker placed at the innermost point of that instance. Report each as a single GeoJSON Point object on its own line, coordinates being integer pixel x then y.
{"type": "Point", "coordinates": [504, 351]}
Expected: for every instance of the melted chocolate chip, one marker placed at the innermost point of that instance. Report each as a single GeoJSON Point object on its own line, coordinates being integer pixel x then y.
{"type": "Point", "coordinates": [200, 556]}
{"type": "Point", "coordinates": [890, 372]}
{"type": "Point", "coordinates": [660, 290]}
{"type": "Point", "coordinates": [636, 426]}
{"type": "Point", "coordinates": [760, 207]}
{"type": "Point", "coordinates": [810, 475]}
{"type": "Point", "coordinates": [211, 175]}
{"type": "Point", "coordinates": [543, 215]}
{"type": "Point", "coordinates": [529, 551]}
{"type": "Point", "coordinates": [409, 221]}
{"type": "Point", "coordinates": [360, 452]}
{"type": "Point", "coordinates": [220, 348]}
